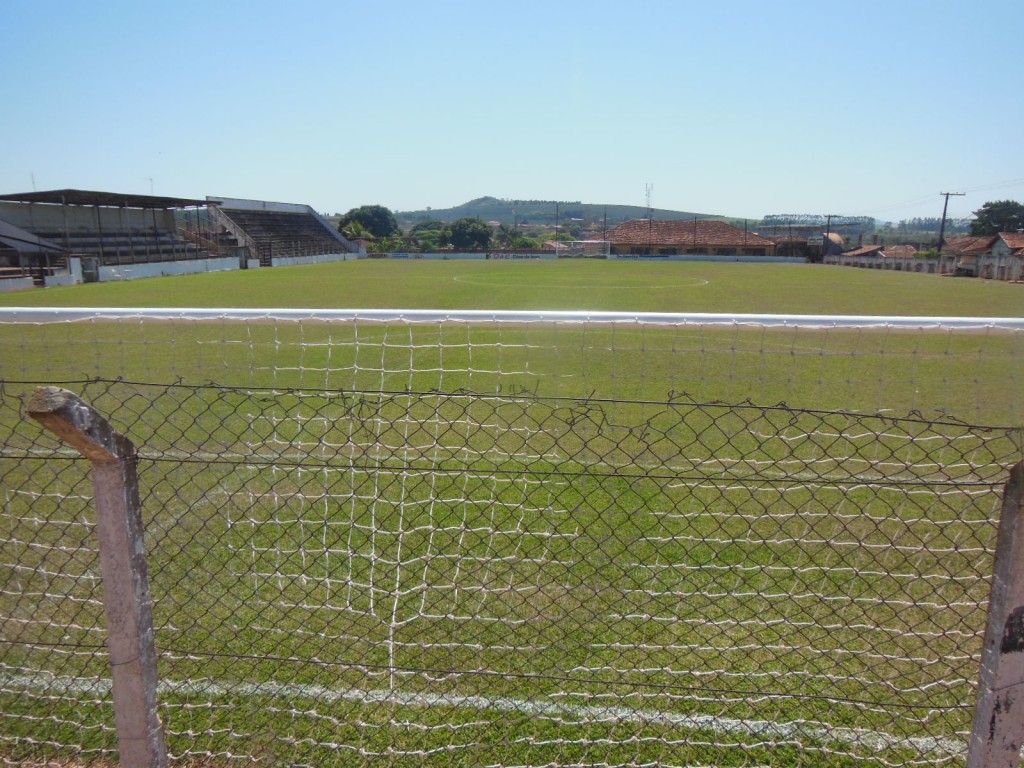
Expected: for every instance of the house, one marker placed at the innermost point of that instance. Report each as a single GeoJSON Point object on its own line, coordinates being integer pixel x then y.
{"type": "Point", "coordinates": [900, 258]}
{"type": "Point", "coordinates": [967, 252]}
{"type": "Point", "coordinates": [866, 251]}
{"type": "Point", "coordinates": [990, 257]}
{"type": "Point", "coordinates": [1007, 258]}
{"type": "Point", "coordinates": [865, 257]}
{"type": "Point", "coordinates": [650, 237]}
{"type": "Point", "coordinates": [900, 251]}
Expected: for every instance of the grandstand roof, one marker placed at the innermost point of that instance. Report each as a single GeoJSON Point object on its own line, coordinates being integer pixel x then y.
{"type": "Point", "coordinates": [106, 199]}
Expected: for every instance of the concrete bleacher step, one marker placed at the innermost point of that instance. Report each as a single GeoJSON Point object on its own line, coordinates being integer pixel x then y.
{"type": "Point", "coordinates": [278, 234]}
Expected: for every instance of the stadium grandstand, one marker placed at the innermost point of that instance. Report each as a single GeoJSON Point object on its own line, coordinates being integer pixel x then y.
{"type": "Point", "coordinates": [69, 236]}
{"type": "Point", "coordinates": [277, 230]}
{"type": "Point", "coordinates": [41, 231]}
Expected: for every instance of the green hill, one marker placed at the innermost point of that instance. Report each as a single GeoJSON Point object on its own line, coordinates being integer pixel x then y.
{"type": "Point", "coordinates": [542, 212]}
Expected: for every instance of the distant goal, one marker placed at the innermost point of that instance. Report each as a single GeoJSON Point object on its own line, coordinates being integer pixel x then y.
{"type": "Point", "coordinates": [583, 249]}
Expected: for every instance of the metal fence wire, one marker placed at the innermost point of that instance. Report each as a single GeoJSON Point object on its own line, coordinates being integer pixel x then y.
{"type": "Point", "coordinates": [347, 577]}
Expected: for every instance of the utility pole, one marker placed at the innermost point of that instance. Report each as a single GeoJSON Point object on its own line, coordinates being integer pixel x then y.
{"type": "Point", "coordinates": [650, 216]}
{"type": "Point", "coordinates": [827, 239]}
{"type": "Point", "coordinates": [942, 226]}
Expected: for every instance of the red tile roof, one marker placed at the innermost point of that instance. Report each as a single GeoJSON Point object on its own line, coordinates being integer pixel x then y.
{"type": "Point", "coordinates": [969, 245]}
{"type": "Point", "coordinates": [867, 250]}
{"type": "Point", "coordinates": [900, 251]}
{"type": "Point", "coordinates": [1013, 239]}
{"type": "Point", "coordinates": [684, 234]}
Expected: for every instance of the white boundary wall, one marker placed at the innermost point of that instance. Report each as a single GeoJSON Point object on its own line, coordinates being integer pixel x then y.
{"type": "Point", "coordinates": [323, 258]}
{"type": "Point", "coordinates": [166, 268]}
{"type": "Point", "coordinates": [440, 256]}
{"type": "Point", "coordinates": [709, 257]}
{"type": "Point", "coordinates": [73, 275]}
{"type": "Point", "coordinates": [458, 256]}
{"type": "Point", "coordinates": [16, 284]}
{"type": "Point", "coordinates": [521, 256]}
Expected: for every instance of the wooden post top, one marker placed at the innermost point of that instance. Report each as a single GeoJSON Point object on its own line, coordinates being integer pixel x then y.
{"type": "Point", "coordinates": [79, 425]}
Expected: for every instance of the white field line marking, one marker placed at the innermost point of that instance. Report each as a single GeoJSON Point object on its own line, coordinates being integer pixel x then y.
{"type": "Point", "coordinates": [582, 714]}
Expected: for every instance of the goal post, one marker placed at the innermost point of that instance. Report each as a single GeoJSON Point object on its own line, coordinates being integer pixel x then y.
{"type": "Point", "coordinates": [583, 249]}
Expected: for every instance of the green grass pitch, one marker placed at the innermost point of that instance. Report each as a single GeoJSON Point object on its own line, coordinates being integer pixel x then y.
{"type": "Point", "coordinates": [568, 284]}
{"type": "Point", "coordinates": [582, 568]}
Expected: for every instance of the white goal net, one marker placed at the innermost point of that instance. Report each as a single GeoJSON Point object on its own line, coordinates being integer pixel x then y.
{"type": "Point", "coordinates": [583, 249]}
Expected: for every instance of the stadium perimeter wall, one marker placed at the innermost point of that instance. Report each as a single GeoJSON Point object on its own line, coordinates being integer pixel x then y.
{"type": "Point", "coordinates": [72, 276]}
{"type": "Point", "coordinates": [323, 258]}
{"type": "Point", "coordinates": [166, 268]}
{"type": "Point", "coordinates": [612, 257]}
{"type": "Point", "coordinates": [225, 264]}
{"type": "Point", "coordinates": [16, 284]}
{"type": "Point", "coordinates": [708, 257]}
{"type": "Point", "coordinates": [433, 256]}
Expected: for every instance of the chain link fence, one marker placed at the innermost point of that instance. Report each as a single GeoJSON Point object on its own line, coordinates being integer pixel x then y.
{"type": "Point", "coordinates": [451, 578]}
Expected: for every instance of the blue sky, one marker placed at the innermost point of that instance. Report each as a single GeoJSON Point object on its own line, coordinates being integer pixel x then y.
{"type": "Point", "coordinates": [725, 107]}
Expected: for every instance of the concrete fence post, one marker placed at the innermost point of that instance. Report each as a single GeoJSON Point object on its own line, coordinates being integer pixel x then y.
{"type": "Point", "coordinates": [999, 713]}
{"type": "Point", "coordinates": [126, 597]}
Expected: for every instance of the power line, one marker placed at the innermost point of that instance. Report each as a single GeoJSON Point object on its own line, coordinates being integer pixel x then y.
{"type": "Point", "coordinates": [996, 185]}
{"type": "Point", "coordinates": [926, 198]}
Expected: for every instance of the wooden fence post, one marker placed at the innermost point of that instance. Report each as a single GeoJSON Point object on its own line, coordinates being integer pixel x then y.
{"type": "Point", "coordinates": [126, 597]}
{"type": "Point", "coordinates": [999, 713]}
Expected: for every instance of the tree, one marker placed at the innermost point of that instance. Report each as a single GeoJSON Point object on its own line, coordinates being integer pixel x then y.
{"type": "Point", "coordinates": [376, 219]}
{"type": "Point", "coordinates": [999, 216]}
{"type": "Point", "coordinates": [468, 233]}
{"type": "Point", "coordinates": [505, 236]}
{"type": "Point", "coordinates": [428, 239]}
{"type": "Point", "coordinates": [430, 225]}
{"type": "Point", "coordinates": [391, 245]}
{"type": "Point", "coordinates": [428, 235]}
{"type": "Point", "coordinates": [354, 230]}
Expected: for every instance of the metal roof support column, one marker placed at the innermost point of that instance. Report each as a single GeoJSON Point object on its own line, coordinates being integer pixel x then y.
{"type": "Point", "coordinates": [120, 221]}
{"type": "Point", "coordinates": [99, 233]}
{"type": "Point", "coordinates": [64, 211]}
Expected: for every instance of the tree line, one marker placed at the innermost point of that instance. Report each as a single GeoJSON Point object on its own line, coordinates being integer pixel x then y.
{"type": "Point", "coordinates": [378, 225]}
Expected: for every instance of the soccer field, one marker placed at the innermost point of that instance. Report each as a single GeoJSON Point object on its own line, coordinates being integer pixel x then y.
{"type": "Point", "coordinates": [971, 376]}
{"type": "Point", "coordinates": [522, 542]}
{"type": "Point", "coordinates": [551, 285]}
